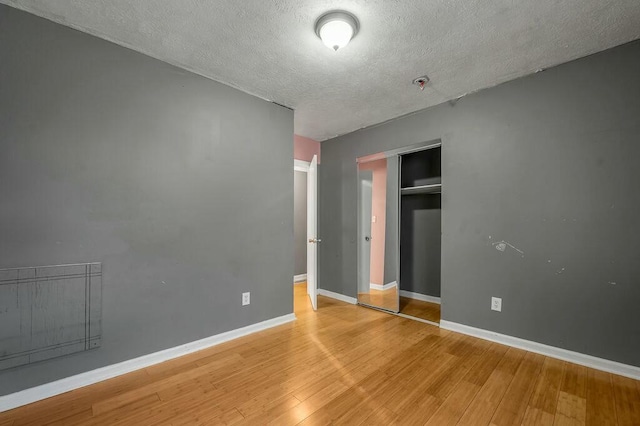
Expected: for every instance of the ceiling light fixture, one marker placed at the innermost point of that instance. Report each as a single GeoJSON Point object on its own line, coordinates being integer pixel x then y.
{"type": "Point", "coordinates": [337, 28]}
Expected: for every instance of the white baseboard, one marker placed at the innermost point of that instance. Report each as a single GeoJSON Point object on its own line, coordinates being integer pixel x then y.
{"type": "Point", "coordinates": [383, 287]}
{"type": "Point", "coordinates": [299, 278]}
{"type": "Point", "coordinates": [337, 296]}
{"type": "Point", "coordinates": [418, 296]}
{"type": "Point", "coordinates": [67, 384]}
{"type": "Point", "coordinates": [550, 351]}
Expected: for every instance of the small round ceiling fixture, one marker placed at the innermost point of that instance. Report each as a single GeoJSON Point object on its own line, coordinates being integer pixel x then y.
{"type": "Point", "coordinates": [421, 81]}
{"type": "Point", "coordinates": [337, 28]}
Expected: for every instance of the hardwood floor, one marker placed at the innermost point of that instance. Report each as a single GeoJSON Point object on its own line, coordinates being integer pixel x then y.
{"type": "Point", "coordinates": [349, 365]}
{"type": "Point", "coordinates": [420, 309]}
{"type": "Point", "coordinates": [386, 299]}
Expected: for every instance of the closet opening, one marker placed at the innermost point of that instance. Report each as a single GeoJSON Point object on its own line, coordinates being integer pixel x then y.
{"type": "Point", "coordinates": [399, 231]}
{"type": "Point", "coordinates": [420, 234]}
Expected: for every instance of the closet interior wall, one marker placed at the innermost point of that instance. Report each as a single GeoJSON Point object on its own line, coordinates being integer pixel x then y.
{"type": "Point", "coordinates": [420, 222]}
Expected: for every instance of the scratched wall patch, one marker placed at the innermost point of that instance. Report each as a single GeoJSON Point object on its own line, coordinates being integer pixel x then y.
{"type": "Point", "coordinates": [504, 245]}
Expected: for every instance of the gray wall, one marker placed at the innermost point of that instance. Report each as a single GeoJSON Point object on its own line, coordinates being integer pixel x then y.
{"type": "Point", "coordinates": [300, 221]}
{"type": "Point", "coordinates": [108, 155]}
{"type": "Point", "coordinates": [548, 163]}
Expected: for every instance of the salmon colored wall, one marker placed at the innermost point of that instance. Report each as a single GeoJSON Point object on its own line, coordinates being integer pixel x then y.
{"type": "Point", "coordinates": [379, 210]}
{"type": "Point", "coordinates": [305, 148]}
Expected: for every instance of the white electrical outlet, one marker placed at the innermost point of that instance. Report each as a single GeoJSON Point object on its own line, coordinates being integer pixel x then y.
{"type": "Point", "coordinates": [496, 304]}
{"type": "Point", "coordinates": [246, 298]}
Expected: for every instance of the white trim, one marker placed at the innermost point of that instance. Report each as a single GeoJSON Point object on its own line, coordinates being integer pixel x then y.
{"type": "Point", "coordinates": [400, 314]}
{"type": "Point", "coordinates": [383, 287]}
{"type": "Point", "coordinates": [67, 384]}
{"type": "Point", "coordinates": [418, 296]}
{"type": "Point", "coordinates": [337, 296]}
{"type": "Point", "coordinates": [299, 278]}
{"type": "Point", "coordinates": [301, 166]}
{"type": "Point", "coordinates": [550, 351]}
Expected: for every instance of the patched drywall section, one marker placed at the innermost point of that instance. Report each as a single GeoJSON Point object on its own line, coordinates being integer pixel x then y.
{"type": "Point", "coordinates": [540, 204]}
{"type": "Point", "coordinates": [269, 48]}
{"type": "Point", "coordinates": [108, 155]}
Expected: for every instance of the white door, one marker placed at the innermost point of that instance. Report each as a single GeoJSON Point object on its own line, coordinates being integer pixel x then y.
{"type": "Point", "coordinates": [312, 232]}
{"type": "Point", "coordinates": [364, 235]}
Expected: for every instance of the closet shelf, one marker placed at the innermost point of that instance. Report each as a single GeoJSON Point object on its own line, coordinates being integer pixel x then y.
{"type": "Point", "coordinates": [422, 189]}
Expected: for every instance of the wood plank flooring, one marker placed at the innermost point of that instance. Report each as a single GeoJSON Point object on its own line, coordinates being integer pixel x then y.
{"type": "Point", "coordinates": [420, 309]}
{"type": "Point", "coordinates": [386, 299]}
{"type": "Point", "coordinates": [349, 365]}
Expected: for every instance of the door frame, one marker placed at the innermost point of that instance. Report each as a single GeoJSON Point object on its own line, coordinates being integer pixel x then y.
{"type": "Point", "coordinates": [303, 166]}
{"type": "Point", "coordinates": [399, 152]}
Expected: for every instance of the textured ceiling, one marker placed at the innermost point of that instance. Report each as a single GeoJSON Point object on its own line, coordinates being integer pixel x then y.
{"type": "Point", "coordinates": [269, 48]}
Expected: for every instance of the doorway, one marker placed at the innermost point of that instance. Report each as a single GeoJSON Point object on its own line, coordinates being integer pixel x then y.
{"type": "Point", "coordinates": [305, 231]}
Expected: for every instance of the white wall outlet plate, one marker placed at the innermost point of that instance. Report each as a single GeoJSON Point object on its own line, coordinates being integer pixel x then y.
{"type": "Point", "coordinates": [246, 298]}
{"type": "Point", "coordinates": [496, 304]}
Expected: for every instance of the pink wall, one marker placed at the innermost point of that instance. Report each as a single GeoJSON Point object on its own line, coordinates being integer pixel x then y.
{"type": "Point", "coordinates": [379, 210]}
{"type": "Point", "coordinates": [305, 148]}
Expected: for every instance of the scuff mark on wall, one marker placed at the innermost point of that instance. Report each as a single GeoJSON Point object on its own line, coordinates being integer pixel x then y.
{"type": "Point", "coordinates": [560, 271]}
{"type": "Point", "coordinates": [502, 246]}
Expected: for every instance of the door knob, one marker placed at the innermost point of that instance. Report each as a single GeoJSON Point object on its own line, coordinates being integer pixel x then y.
{"type": "Point", "coordinates": [367, 238]}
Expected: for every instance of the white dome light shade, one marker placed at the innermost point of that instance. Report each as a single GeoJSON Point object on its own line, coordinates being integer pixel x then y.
{"type": "Point", "coordinates": [336, 34]}
{"type": "Point", "coordinates": [336, 29]}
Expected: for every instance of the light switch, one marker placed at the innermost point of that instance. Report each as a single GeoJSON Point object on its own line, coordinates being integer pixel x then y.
{"type": "Point", "coordinates": [373, 219]}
